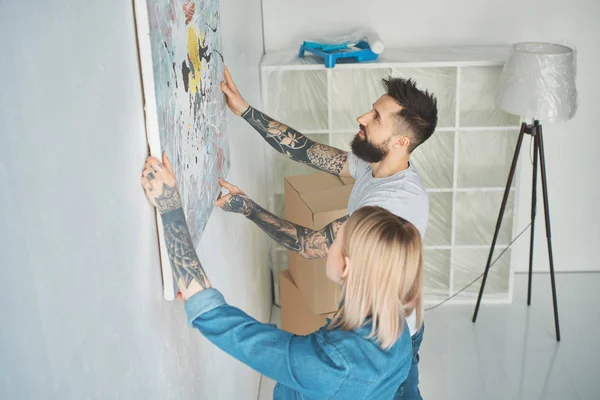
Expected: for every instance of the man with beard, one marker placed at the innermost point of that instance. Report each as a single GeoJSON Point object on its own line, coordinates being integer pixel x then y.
{"type": "Point", "coordinates": [400, 120]}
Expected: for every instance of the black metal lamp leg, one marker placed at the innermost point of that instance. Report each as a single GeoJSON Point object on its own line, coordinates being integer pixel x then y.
{"type": "Point", "coordinates": [500, 216]}
{"type": "Point", "coordinates": [533, 208]}
{"type": "Point", "coordinates": [540, 140]}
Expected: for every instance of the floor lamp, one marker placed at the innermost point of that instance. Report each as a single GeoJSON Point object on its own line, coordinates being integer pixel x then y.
{"type": "Point", "coordinates": [537, 82]}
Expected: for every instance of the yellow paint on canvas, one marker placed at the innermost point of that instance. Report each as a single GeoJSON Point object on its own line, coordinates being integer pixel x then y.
{"type": "Point", "coordinates": [194, 54]}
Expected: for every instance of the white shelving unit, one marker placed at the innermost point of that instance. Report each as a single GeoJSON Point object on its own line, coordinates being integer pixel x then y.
{"type": "Point", "coordinates": [464, 165]}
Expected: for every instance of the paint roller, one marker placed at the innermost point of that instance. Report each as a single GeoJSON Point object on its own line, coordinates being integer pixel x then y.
{"type": "Point", "coordinates": [375, 42]}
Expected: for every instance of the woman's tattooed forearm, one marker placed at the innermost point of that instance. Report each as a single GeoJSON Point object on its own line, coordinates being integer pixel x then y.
{"type": "Point", "coordinates": [184, 260]}
{"type": "Point", "coordinates": [169, 199]}
{"type": "Point", "coordinates": [295, 145]}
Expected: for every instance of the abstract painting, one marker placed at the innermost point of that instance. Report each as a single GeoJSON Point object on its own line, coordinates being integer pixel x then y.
{"type": "Point", "coordinates": [185, 100]}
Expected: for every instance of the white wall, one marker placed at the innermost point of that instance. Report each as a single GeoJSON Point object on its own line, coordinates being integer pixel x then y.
{"type": "Point", "coordinates": [571, 148]}
{"type": "Point", "coordinates": [80, 288]}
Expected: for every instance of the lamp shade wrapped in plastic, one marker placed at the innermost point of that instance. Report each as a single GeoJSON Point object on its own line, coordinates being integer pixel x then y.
{"type": "Point", "coordinates": [538, 81]}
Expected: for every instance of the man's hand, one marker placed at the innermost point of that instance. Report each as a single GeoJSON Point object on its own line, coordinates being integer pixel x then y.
{"type": "Point", "coordinates": [235, 201]}
{"type": "Point", "coordinates": [235, 102]}
{"type": "Point", "coordinates": [160, 185]}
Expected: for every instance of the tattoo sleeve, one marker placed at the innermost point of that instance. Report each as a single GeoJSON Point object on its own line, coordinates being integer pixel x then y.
{"type": "Point", "coordinates": [184, 260]}
{"type": "Point", "coordinates": [307, 242]}
{"type": "Point", "coordinates": [295, 145]}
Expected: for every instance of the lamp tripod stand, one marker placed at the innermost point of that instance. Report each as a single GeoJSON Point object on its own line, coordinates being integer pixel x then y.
{"type": "Point", "coordinates": [535, 130]}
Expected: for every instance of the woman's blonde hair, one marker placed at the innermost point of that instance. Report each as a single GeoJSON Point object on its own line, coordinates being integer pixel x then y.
{"type": "Point", "coordinates": [385, 281]}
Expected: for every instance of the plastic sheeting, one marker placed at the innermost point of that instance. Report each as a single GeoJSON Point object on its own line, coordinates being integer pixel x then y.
{"type": "Point", "coordinates": [538, 81]}
{"type": "Point", "coordinates": [439, 147]}
{"type": "Point", "coordinates": [375, 42]}
{"type": "Point", "coordinates": [436, 280]}
{"type": "Point", "coordinates": [299, 98]}
{"type": "Point", "coordinates": [469, 263]}
{"type": "Point", "coordinates": [478, 88]}
{"type": "Point", "coordinates": [354, 91]}
{"type": "Point", "coordinates": [478, 166]}
{"type": "Point", "coordinates": [476, 215]}
{"type": "Point", "coordinates": [464, 165]}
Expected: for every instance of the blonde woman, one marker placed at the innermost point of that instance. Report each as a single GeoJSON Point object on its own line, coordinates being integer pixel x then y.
{"type": "Point", "coordinates": [365, 352]}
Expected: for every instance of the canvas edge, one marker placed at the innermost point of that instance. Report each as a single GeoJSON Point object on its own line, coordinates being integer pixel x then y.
{"type": "Point", "coordinates": [142, 24]}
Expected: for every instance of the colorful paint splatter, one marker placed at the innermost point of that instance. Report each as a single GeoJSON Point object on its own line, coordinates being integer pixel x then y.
{"type": "Point", "coordinates": [188, 68]}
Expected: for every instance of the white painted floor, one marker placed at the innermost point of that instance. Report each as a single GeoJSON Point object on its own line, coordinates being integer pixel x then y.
{"type": "Point", "coordinates": [511, 352]}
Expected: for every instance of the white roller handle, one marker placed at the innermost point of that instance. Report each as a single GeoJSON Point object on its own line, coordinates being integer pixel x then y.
{"type": "Point", "coordinates": [375, 43]}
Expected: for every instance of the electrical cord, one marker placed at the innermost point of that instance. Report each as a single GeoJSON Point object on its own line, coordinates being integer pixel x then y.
{"type": "Point", "coordinates": [531, 150]}
{"type": "Point", "coordinates": [480, 276]}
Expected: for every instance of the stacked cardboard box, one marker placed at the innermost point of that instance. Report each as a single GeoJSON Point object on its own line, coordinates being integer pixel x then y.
{"type": "Point", "coordinates": [307, 296]}
{"type": "Point", "coordinates": [295, 315]}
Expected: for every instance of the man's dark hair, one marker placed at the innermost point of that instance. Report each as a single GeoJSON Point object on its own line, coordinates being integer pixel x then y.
{"type": "Point", "coordinates": [419, 109]}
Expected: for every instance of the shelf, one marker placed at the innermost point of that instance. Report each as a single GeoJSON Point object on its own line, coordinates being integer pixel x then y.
{"type": "Point", "coordinates": [490, 128]}
{"type": "Point", "coordinates": [465, 246]}
{"type": "Point", "coordinates": [468, 264]}
{"type": "Point", "coordinates": [436, 274]}
{"type": "Point", "coordinates": [464, 165]}
{"type": "Point", "coordinates": [439, 229]}
{"type": "Point", "coordinates": [434, 160]}
{"type": "Point", "coordinates": [303, 102]}
{"type": "Point", "coordinates": [441, 82]}
{"type": "Point", "coordinates": [476, 216]}
{"type": "Point", "coordinates": [407, 57]}
{"type": "Point", "coordinates": [279, 203]}
{"type": "Point", "coordinates": [485, 158]}
{"type": "Point", "coordinates": [350, 100]}
{"type": "Point", "coordinates": [470, 190]}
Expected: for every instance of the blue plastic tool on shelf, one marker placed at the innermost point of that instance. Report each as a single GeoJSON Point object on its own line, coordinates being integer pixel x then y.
{"type": "Point", "coordinates": [331, 53]}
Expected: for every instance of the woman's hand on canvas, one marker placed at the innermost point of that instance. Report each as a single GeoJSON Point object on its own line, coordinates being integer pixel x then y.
{"type": "Point", "coordinates": [235, 201]}
{"type": "Point", "coordinates": [160, 185]}
{"type": "Point", "coordinates": [235, 101]}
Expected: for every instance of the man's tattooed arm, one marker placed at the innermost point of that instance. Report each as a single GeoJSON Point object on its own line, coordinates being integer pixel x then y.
{"type": "Point", "coordinates": [304, 241]}
{"type": "Point", "coordinates": [187, 270]}
{"type": "Point", "coordinates": [295, 145]}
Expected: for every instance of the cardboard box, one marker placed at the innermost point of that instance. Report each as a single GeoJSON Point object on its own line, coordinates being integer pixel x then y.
{"type": "Point", "coordinates": [314, 201]}
{"type": "Point", "coordinates": [295, 315]}
{"type": "Point", "coordinates": [347, 181]}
